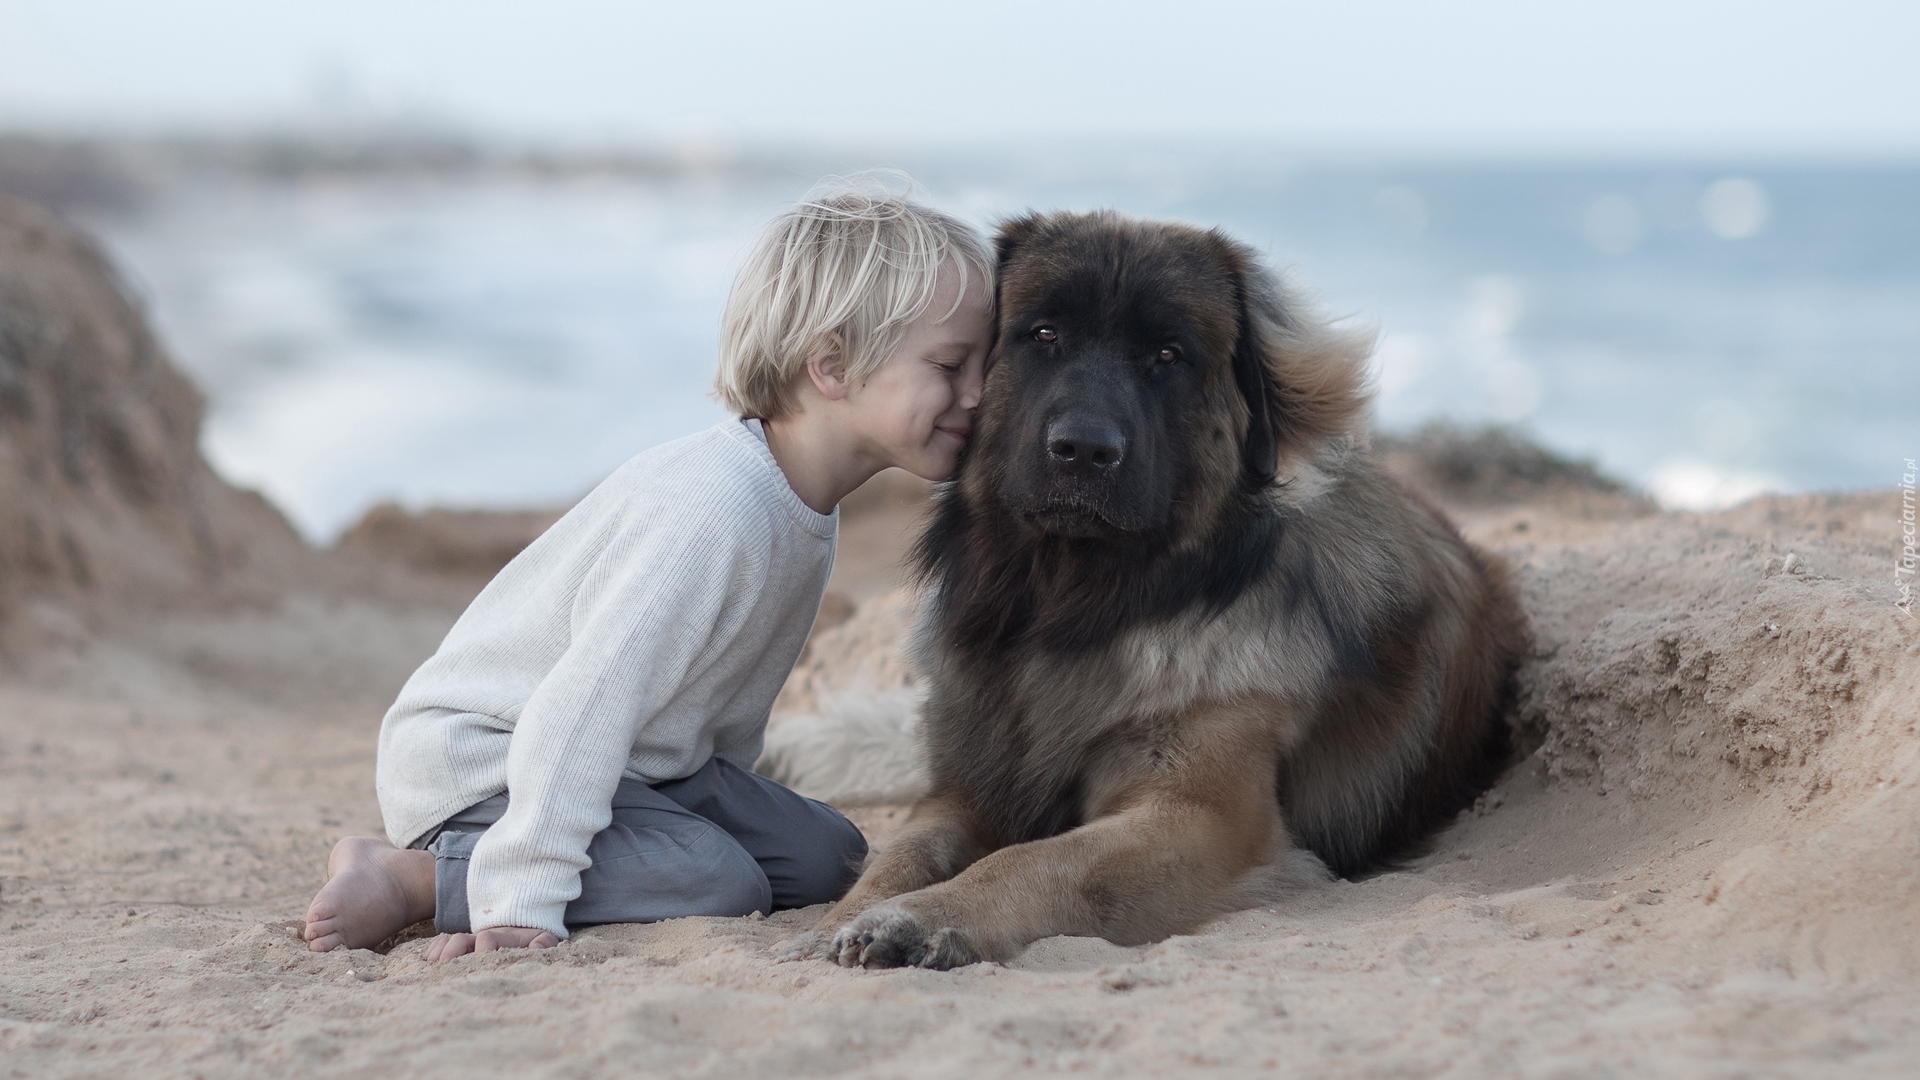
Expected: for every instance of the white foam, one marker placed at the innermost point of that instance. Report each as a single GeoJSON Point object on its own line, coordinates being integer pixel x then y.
{"type": "Point", "coordinates": [1690, 484]}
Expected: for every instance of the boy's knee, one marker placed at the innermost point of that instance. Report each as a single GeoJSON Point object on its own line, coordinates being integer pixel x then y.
{"type": "Point", "coordinates": [831, 863]}
{"type": "Point", "coordinates": [723, 879]}
{"type": "Point", "coordinates": [735, 888]}
{"type": "Point", "coordinates": [668, 872]}
{"type": "Point", "coordinates": [851, 841]}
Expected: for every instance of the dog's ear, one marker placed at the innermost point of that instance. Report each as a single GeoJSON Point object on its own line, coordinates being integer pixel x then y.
{"type": "Point", "coordinates": [1304, 379]}
{"type": "Point", "coordinates": [1254, 378]}
{"type": "Point", "coordinates": [1014, 234]}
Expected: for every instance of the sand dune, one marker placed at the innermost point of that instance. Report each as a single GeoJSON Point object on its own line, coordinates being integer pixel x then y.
{"type": "Point", "coordinates": [1706, 862]}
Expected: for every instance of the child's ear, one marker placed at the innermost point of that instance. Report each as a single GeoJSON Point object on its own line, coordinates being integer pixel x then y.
{"type": "Point", "coordinates": [827, 368]}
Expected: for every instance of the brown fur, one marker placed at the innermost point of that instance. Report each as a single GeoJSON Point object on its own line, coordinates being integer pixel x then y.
{"type": "Point", "coordinates": [1155, 670]}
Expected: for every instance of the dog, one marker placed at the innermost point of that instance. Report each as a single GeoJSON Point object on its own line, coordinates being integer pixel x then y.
{"type": "Point", "coordinates": [1179, 624]}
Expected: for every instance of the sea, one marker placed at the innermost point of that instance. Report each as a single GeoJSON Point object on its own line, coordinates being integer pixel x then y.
{"type": "Point", "coordinates": [1702, 330]}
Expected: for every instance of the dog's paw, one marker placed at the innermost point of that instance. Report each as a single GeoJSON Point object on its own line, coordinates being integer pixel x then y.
{"type": "Point", "coordinates": [892, 936]}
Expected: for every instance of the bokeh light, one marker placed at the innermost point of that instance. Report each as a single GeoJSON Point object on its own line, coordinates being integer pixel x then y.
{"type": "Point", "coordinates": [1735, 208]}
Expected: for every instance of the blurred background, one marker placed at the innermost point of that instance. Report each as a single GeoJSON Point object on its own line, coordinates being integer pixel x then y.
{"type": "Point", "coordinates": [474, 253]}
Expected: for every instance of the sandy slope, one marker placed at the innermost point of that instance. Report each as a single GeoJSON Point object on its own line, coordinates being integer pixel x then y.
{"type": "Point", "coordinates": [1708, 862]}
{"type": "Point", "coordinates": [1708, 867]}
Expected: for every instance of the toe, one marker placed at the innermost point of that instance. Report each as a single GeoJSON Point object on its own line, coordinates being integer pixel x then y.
{"type": "Point", "coordinates": [946, 949]}
{"type": "Point", "coordinates": [323, 909]}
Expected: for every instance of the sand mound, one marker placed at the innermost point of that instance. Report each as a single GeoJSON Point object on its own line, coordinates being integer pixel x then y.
{"type": "Point", "coordinates": [1744, 680]}
{"type": "Point", "coordinates": [105, 502]}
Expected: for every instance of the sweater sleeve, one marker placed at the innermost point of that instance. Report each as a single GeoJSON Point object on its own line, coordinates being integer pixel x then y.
{"type": "Point", "coordinates": [647, 611]}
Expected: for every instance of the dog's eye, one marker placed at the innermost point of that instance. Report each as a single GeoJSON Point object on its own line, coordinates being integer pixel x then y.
{"type": "Point", "coordinates": [1045, 335]}
{"type": "Point", "coordinates": [1168, 354]}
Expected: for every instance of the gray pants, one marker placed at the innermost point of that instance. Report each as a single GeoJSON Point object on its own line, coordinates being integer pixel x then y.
{"type": "Point", "coordinates": [723, 841]}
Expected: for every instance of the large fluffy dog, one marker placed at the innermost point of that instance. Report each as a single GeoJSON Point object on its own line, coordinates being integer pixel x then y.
{"type": "Point", "coordinates": [1179, 623]}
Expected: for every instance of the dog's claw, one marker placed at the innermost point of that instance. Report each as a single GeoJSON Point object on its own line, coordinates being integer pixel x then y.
{"type": "Point", "coordinates": [848, 948]}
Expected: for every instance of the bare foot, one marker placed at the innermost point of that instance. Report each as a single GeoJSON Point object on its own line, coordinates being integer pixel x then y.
{"type": "Point", "coordinates": [373, 889]}
{"type": "Point", "coordinates": [447, 946]}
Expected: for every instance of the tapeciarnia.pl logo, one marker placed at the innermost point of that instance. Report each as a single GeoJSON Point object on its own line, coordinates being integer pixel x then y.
{"type": "Point", "coordinates": [1905, 565]}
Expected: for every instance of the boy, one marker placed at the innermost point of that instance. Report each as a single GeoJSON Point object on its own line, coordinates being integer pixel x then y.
{"type": "Point", "coordinates": [579, 749]}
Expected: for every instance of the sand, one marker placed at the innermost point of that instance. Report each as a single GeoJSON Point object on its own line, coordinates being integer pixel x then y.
{"type": "Point", "coordinates": [1705, 863]}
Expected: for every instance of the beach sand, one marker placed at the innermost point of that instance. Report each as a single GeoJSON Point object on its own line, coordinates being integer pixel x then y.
{"type": "Point", "coordinates": [1705, 863]}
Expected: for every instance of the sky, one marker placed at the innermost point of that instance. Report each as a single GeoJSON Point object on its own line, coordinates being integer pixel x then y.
{"type": "Point", "coordinates": [1634, 76]}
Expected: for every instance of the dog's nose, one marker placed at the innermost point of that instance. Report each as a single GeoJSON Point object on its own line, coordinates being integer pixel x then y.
{"type": "Point", "coordinates": [1080, 441]}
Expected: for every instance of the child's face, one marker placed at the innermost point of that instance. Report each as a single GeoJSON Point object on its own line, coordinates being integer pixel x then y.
{"type": "Point", "coordinates": [917, 409]}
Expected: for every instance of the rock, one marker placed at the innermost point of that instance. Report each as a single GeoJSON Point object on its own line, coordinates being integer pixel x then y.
{"type": "Point", "coordinates": [461, 543]}
{"type": "Point", "coordinates": [105, 501]}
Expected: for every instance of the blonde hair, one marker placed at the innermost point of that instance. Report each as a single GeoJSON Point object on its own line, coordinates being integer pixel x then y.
{"type": "Point", "coordinates": [854, 262]}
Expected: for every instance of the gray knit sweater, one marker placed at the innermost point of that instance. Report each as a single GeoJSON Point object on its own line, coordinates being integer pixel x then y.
{"type": "Point", "coordinates": [646, 632]}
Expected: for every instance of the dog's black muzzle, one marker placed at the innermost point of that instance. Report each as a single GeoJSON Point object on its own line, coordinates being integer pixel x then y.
{"type": "Point", "coordinates": [1082, 461]}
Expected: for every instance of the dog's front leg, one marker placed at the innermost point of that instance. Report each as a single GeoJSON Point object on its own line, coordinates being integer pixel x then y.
{"type": "Point", "coordinates": [1167, 857]}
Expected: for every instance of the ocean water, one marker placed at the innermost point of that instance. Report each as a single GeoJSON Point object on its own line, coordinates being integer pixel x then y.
{"type": "Point", "coordinates": [1704, 331]}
